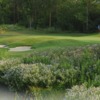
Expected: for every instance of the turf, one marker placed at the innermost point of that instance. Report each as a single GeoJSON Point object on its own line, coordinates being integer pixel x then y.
{"type": "Point", "coordinates": [40, 40]}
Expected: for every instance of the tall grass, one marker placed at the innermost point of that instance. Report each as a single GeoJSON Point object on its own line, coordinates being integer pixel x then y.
{"type": "Point", "coordinates": [75, 93]}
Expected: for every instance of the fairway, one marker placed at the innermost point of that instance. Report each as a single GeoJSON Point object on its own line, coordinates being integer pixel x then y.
{"type": "Point", "coordinates": [31, 37]}
{"type": "Point", "coordinates": [41, 40]}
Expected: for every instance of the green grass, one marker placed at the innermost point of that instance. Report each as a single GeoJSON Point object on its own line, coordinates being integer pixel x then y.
{"type": "Point", "coordinates": [3, 53]}
{"type": "Point", "coordinates": [40, 40]}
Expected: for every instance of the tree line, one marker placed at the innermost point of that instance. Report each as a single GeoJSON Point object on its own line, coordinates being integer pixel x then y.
{"type": "Point", "coordinates": [71, 15]}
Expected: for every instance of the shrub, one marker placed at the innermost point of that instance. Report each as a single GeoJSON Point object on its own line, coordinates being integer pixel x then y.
{"type": "Point", "coordinates": [84, 60]}
{"type": "Point", "coordinates": [23, 76]}
{"type": "Point", "coordinates": [82, 93]}
{"type": "Point", "coordinates": [62, 68]}
{"type": "Point", "coordinates": [5, 27]}
{"type": "Point", "coordinates": [38, 75]}
{"type": "Point", "coordinates": [6, 65]}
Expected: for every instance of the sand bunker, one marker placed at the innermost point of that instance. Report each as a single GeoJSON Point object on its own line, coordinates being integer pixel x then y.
{"type": "Point", "coordinates": [2, 46]}
{"type": "Point", "coordinates": [21, 48]}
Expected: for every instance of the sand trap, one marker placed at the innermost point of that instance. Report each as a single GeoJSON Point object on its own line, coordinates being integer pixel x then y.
{"type": "Point", "coordinates": [2, 46]}
{"type": "Point", "coordinates": [21, 48]}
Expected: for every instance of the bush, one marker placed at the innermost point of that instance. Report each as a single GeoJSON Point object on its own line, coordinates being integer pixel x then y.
{"type": "Point", "coordinates": [84, 60]}
{"type": "Point", "coordinates": [23, 76]}
{"type": "Point", "coordinates": [5, 27]}
{"type": "Point", "coordinates": [82, 93]}
{"type": "Point", "coordinates": [5, 66]}
{"type": "Point", "coordinates": [60, 68]}
{"type": "Point", "coordinates": [38, 75]}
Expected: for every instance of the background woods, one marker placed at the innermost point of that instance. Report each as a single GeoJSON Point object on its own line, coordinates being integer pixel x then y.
{"type": "Point", "coordinates": [71, 15]}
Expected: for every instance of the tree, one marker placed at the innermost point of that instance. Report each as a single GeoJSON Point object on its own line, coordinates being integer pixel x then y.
{"type": "Point", "coordinates": [71, 15]}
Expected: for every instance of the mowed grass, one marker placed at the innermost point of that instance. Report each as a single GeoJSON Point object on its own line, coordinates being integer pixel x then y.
{"type": "Point", "coordinates": [40, 40]}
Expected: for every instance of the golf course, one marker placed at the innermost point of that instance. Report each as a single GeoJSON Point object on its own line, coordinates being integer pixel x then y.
{"type": "Point", "coordinates": [41, 39]}
{"type": "Point", "coordinates": [49, 49]}
{"type": "Point", "coordinates": [46, 63]}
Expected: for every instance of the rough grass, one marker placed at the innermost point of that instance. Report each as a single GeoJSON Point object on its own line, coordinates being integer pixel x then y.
{"type": "Point", "coordinates": [40, 40]}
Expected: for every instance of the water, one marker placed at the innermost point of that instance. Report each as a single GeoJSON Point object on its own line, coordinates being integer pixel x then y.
{"type": "Point", "coordinates": [6, 94]}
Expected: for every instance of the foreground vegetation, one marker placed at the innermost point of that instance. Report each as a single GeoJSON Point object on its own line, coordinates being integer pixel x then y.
{"type": "Point", "coordinates": [82, 93]}
{"type": "Point", "coordinates": [57, 61]}
{"type": "Point", "coordinates": [58, 68]}
{"type": "Point", "coordinates": [75, 93]}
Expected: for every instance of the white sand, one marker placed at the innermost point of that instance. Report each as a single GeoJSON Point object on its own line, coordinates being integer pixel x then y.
{"type": "Point", "coordinates": [21, 48]}
{"type": "Point", "coordinates": [2, 46]}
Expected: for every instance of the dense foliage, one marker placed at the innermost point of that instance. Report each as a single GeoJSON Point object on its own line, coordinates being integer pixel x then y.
{"type": "Point", "coordinates": [60, 68]}
{"type": "Point", "coordinates": [72, 15]}
{"type": "Point", "coordinates": [75, 93]}
{"type": "Point", "coordinates": [82, 93]}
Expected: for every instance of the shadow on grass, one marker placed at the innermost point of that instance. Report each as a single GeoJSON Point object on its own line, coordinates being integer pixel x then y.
{"type": "Point", "coordinates": [60, 43]}
{"type": "Point", "coordinates": [48, 33]}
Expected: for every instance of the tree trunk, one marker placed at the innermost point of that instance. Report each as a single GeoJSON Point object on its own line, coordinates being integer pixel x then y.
{"type": "Point", "coordinates": [50, 19]}
{"type": "Point", "coordinates": [87, 19]}
{"type": "Point", "coordinates": [14, 16]}
{"type": "Point", "coordinates": [30, 24]}
{"type": "Point", "coordinates": [35, 19]}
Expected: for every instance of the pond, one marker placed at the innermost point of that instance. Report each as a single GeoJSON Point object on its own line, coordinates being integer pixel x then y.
{"type": "Point", "coordinates": [6, 94]}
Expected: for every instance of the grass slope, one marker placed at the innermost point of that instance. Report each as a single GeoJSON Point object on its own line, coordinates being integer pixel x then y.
{"type": "Point", "coordinates": [43, 40]}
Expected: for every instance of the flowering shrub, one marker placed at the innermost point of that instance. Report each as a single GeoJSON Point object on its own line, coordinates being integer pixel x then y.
{"type": "Point", "coordinates": [38, 75]}
{"type": "Point", "coordinates": [5, 65]}
{"type": "Point", "coordinates": [60, 68]}
{"type": "Point", "coordinates": [82, 93]}
{"type": "Point", "coordinates": [84, 60]}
